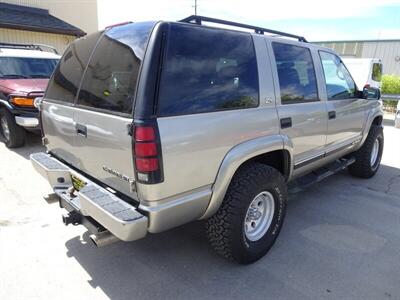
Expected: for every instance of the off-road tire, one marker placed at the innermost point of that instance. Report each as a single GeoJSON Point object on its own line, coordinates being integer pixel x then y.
{"type": "Point", "coordinates": [17, 133]}
{"type": "Point", "coordinates": [362, 167]}
{"type": "Point", "coordinates": [226, 228]}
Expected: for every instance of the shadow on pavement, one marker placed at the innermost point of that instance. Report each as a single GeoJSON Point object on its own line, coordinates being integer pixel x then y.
{"type": "Point", "coordinates": [340, 239]}
{"type": "Point", "coordinates": [33, 144]}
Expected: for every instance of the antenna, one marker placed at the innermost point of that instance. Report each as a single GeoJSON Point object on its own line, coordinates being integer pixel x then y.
{"type": "Point", "coordinates": [195, 7]}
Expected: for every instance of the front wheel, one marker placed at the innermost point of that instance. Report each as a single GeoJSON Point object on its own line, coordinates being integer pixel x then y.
{"type": "Point", "coordinates": [368, 157]}
{"type": "Point", "coordinates": [13, 134]}
{"type": "Point", "coordinates": [251, 215]}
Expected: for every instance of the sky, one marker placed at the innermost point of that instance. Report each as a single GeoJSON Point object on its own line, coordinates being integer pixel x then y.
{"type": "Point", "coordinates": [317, 20]}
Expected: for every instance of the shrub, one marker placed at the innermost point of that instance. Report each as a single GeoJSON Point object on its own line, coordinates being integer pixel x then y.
{"type": "Point", "coordinates": [390, 85]}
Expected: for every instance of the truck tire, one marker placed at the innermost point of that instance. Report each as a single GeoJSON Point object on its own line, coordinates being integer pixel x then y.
{"type": "Point", "coordinates": [251, 216]}
{"type": "Point", "coordinates": [368, 157]}
{"type": "Point", "coordinates": [12, 134]}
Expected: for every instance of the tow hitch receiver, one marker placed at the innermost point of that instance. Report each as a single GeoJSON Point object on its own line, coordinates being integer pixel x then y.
{"type": "Point", "coordinates": [72, 217]}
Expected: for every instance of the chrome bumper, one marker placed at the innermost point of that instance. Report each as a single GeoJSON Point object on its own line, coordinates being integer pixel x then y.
{"type": "Point", "coordinates": [27, 122]}
{"type": "Point", "coordinates": [117, 216]}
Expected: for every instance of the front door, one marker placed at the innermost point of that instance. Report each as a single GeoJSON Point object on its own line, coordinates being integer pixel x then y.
{"type": "Point", "coordinates": [345, 110]}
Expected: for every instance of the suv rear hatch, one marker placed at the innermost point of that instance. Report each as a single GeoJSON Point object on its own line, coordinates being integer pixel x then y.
{"type": "Point", "coordinates": [88, 107]}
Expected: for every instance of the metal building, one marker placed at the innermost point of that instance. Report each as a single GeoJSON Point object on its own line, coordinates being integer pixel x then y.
{"type": "Point", "coordinates": [387, 50]}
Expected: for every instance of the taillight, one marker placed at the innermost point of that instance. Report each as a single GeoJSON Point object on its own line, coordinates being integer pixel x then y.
{"type": "Point", "coordinates": [147, 153]}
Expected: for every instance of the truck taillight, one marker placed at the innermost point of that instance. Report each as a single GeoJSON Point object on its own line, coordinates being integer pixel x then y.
{"type": "Point", "coordinates": [147, 153]}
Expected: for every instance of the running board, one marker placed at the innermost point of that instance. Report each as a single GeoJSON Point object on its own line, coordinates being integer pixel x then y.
{"type": "Point", "coordinates": [320, 174]}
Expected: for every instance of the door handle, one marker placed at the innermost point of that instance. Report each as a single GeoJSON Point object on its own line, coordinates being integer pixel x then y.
{"type": "Point", "coordinates": [332, 115]}
{"type": "Point", "coordinates": [81, 130]}
{"type": "Point", "coordinates": [286, 123]}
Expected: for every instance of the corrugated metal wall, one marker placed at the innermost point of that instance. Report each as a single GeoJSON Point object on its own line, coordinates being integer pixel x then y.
{"type": "Point", "coordinates": [58, 41]}
{"type": "Point", "coordinates": [387, 51]}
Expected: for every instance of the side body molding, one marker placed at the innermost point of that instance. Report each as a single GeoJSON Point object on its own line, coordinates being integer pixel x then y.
{"type": "Point", "coordinates": [234, 159]}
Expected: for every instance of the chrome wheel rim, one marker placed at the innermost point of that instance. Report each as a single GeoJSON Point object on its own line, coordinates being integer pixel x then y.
{"type": "Point", "coordinates": [259, 216]}
{"type": "Point", "coordinates": [374, 152]}
{"type": "Point", "coordinates": [5, 129]}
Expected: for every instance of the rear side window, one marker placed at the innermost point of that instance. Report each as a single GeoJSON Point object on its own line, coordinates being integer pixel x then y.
{"type": "Point", "coordinates": [207, 70]}
{"type": "Point", "coordinates": [296, 73]}
{"type": "Point", "coordinates": [112, 73]}
{"type": "Point", "coordinates": [339, 83]}
{"type": "Point", "coordinates": [377, 72]}
{"type": "Point", "coordinates": [68, 73]}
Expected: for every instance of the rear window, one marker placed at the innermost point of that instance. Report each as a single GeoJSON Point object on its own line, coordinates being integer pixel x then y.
{"type": "Point", "coordinates": [207, 70]}
{"type": "Point", "coordinates": [26, 67]}
{"type": "Point", "coordinates": [112, 73]}
{"type": "Point", "coordinates": [377, 72]}
{"type": "Point", "coordinates": [68, 73]}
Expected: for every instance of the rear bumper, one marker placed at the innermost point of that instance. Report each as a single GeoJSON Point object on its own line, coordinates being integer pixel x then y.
{"type": "Point", "coordinates": [92, 201]}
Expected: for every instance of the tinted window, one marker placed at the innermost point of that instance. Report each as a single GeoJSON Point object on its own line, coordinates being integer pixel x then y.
{"type": "Point", "coordinates": [68, 73]}
{"type": "Point", "coordinates": [25, 67]}
{"type": "Point", "coordinates": [296, 73]}
{"type": "Point", "coordinates": [112, 73]}
{"type": "Point", "coordinates": [377, 72]}
{"type": "Point", "coordinates": [339, 84]}
{"type": "Point", "coordinates": [207, 70]}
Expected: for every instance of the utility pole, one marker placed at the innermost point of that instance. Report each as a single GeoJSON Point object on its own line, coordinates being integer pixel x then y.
{"type": "Point", "coordinates": [195, 7]}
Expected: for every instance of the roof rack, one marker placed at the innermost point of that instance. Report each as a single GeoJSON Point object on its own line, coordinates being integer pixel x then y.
{"type": "Point", "coordinates": [39, 47]}
{"type": "Point", "coordinates": [260, 30]}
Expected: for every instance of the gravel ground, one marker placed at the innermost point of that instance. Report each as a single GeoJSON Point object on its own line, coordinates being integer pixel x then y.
{"type": "Point", "coordinates": [341, 239]}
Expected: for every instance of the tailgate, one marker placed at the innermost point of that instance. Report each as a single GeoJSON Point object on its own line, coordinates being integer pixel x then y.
{"type": "Point", "coordinates": [91, 131]}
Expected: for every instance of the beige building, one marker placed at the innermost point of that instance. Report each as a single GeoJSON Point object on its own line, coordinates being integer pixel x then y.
{"type": "Point", "coordinates": [51, 22]}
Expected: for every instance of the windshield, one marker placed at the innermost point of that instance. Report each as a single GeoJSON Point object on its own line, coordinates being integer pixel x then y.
{"type": "Point", "coordinates": [25, 67]}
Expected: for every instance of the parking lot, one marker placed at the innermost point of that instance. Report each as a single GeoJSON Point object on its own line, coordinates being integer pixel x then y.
{"type": "Point", "coordinates": [341, 239]}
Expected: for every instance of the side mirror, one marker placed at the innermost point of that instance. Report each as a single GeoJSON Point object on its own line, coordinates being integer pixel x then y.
{"type": "Point", "coordinates": [371, 93]}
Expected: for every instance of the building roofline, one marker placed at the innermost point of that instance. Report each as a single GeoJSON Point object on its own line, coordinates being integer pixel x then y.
{"type": "Point", "coordinates": [78, 33]}
{"type": "Point", "coordinates": [357, 41]}
{"type": "Point", "coordinates": [28, 18]}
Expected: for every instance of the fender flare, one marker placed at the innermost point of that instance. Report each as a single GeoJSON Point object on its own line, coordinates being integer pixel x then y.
{"type": "Point", "coordinates": [376, 112]}
{"type": "Point", "coordinates": [235, 158]}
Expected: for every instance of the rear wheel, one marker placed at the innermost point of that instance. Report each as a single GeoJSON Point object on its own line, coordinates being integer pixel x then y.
{"type": "Point", "coordinates": [13, 134]}
{"type": "Point", "coordinates": [368, 157]}
{"type": "Point", "coordinates": [251, 215]}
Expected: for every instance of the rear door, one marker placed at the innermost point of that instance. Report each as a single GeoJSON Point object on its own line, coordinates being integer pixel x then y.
{"type": "Point", "coordinates": [302, 114]}
{"type": "Point", "coordinates": [104, 106]}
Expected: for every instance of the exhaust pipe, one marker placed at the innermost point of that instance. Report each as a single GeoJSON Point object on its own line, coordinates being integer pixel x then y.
{"type": "Point", "coordinates": [103, 239]}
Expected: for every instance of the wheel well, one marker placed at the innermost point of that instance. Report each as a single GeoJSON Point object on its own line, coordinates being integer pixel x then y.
{"type": "Point", "coordinates": [377, 121]}
{"type": "Point", "coordinates": [279, 159]}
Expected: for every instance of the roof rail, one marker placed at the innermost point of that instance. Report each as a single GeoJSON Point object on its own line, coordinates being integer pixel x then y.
{"type": "Point", "coordinates": [195, 19]}
{"type": "Point", "coordinates": [39, 47]}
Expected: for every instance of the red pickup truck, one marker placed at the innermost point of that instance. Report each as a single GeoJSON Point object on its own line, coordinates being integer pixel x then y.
{"type": "Point", "coordinates": [24, 73]}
